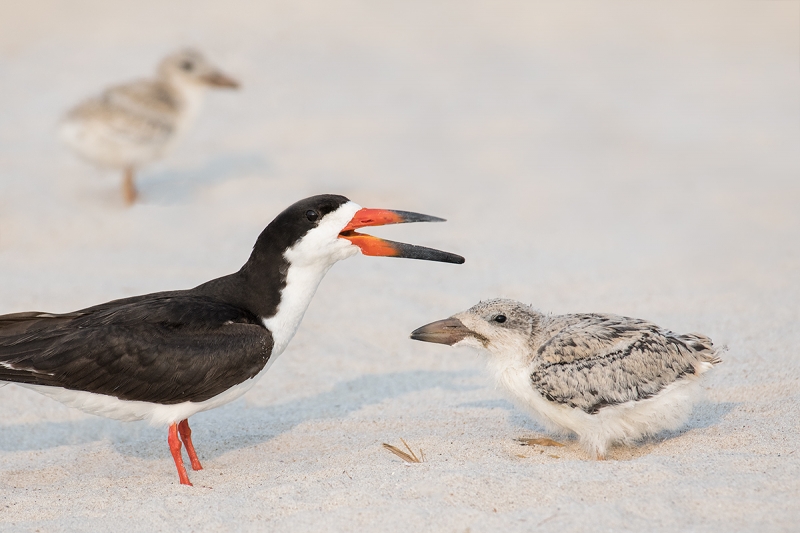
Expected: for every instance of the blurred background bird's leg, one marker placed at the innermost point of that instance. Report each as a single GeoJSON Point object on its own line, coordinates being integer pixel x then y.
{"type": "Point", "coordinates": [129, 192]}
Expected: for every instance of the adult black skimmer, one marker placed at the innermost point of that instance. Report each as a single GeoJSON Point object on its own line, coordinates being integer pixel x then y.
{"type": "Point", "coordinates": [165, 356]}
{"type": "Point", "coordinates": [605, 378]}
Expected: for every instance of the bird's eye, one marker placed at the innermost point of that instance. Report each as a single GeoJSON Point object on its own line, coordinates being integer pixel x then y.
{"type": "Point", "coordinates": [500, 319]}
{"type": "Point", "coordinates": [312, 215]}
{"type": "Point", "coordinates": [187, 66]}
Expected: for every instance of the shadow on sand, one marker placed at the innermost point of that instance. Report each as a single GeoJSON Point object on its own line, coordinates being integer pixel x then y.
{"type": "Point", "coordinates": [254, 425]}
{"type": "Point", "coordinates": [257, 424]}
{"type": "Point", "coordinates": [704, 415]}
{"type": "Point", "coordinates": [174, 186]}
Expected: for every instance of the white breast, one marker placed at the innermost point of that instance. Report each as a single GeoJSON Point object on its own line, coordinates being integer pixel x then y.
{"type": "Point", "coordinates": [626, 422]}
{"type": "Point", "coordinates": [127, 410]}
{"type": "Point", "coordinates": [309, 260]}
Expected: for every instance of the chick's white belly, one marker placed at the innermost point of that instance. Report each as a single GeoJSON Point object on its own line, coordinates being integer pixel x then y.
{"type": "Point", "coordinates": [624, 422]}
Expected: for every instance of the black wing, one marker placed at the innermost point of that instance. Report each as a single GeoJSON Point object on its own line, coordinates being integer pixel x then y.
{"type": "Point", "coordinates": [162, 348]}
{"type": "Point", "coordinates": [598, 360]}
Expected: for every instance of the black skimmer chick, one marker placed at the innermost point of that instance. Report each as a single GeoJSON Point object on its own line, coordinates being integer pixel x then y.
{"type": "Point", "coordinates": [135, 123]}
{"type": "Point", "coordinates": [605, 378]}
{"type": "Point", "coordinates": [165, 356]}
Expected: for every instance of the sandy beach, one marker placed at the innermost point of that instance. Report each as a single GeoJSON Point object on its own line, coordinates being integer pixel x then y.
{"type": "Point", "coordinates": [633, 158]}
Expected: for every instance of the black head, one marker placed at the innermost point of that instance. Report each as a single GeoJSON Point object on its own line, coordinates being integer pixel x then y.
{"type": "Point", "coordinates": [310, 236]}
{"type": "Point", "coordinates": [322, 229]}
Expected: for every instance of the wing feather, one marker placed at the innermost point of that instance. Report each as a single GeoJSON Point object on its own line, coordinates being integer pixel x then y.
{"type": "Point", "coordinates": [592, 361]}
{"type": "Point", "coordinates": [164, 348]}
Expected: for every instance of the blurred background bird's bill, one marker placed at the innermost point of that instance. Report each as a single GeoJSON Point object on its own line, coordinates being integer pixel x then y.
{"type": "Point", "coordinates": [639, 158]}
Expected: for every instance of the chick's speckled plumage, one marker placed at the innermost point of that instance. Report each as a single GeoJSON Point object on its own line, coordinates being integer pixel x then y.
{"type": "Point", "coordinates": [604, 377]}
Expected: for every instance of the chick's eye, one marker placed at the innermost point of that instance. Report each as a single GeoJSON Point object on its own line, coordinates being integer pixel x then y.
{"type": "Point", "coordinates": [312, 215]}
{"type": "Point", "coordinates": [500, 319]}
{"type": "Point", "coordinates": [187, 66]}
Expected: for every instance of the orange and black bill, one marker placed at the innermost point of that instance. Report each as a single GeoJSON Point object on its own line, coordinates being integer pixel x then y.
{"type": "Point", "coordinates": [375, 246]}
{"type": "Point", "coordinates": [447, 331]}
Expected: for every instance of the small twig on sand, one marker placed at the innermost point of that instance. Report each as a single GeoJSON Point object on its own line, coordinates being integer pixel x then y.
{"type": "Point", "coordinates": [409, 457]}
{"type": "Point", "coordinates": [541, 441]}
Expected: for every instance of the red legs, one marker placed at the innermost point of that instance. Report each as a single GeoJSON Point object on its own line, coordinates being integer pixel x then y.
{"type": "Point", "coordinates": [129, 192]}
{"type": "Point", "coordinates": [175, 448]}
{"type": "Point", "coordinates": [186, 437]}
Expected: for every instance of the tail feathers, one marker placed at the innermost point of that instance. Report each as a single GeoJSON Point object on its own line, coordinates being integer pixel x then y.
{"type": "Point", "coordinates": [23, 337]}
{"type": "Point", "coordinates": [22, 323]}
{"type": "Point", "coordinates": [715, 358]}
{"type": "Point", "coordinates": [706, 355]}
{"type": "Point", "coordinates": [697, 341]}
{"type": "Point", "coordinates": [703, 346]}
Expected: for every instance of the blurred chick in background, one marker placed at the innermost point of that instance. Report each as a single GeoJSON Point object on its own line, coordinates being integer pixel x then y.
{"type": "Point", "coordinates": [133, 124]}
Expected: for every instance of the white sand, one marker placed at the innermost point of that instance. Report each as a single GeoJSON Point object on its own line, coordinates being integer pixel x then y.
{"type": "Point", "coordinates": [641, 159]}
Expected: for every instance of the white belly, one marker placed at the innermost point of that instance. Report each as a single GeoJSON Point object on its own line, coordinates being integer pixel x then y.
{"type": "Point", "coordinates": [154, 413]}
{"type": "Point", "coordinates": [625, 422]}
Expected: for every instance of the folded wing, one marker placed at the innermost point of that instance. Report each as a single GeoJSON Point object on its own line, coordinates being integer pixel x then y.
{"type": "Point", "coordinates": [592, 361]}
{"type": "Point", "coordinates": [163, 348]}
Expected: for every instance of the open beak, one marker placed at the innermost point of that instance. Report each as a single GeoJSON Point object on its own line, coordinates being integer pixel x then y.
{"type": "Point", "coordinates": [447, 331]}
{"type": "Point", "coordinates": [218, 79]}
{"type": "Point", "coordinates": [374, 246]}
